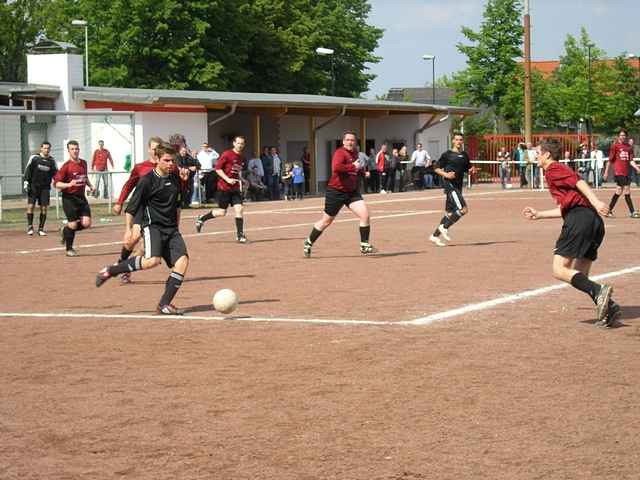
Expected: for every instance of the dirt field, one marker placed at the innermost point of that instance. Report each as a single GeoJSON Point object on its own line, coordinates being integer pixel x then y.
{"type": "Point", "coordinates": [335, 367]}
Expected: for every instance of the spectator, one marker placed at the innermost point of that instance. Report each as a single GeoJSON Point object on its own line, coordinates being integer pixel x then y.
{"type": "Point", "coordinates": [298, 180]}
{"type": "Point", "coordinates": [382, 161]}
{"type": "Point", "coordinates": [504, 167]}
{"type": "Point", "coordinates": [404, 160]}
{"type": "Point", "coordinates": [186, 160]}
{"type": "Point", "coordinates": [305, 158]}
{"type": "Point", "coordinates": [419, 159]}
{"type": "Point", "coordinates": [585, 166]}
{"type": "Point", "coordinates": [363, 172]}
{"type": "Point", "coordinates": [391, 169]}
{"type": "Point", "coordinates": [374, 175]}
{"type": "Point", "coordinates": [287, 181]}
{"type": "Point", "coordinates": [636, 154]}
{"type": "Point", "coordinates": [207, 158]}
{"type": "Point", "coordinates": [256, 189]}
{"type": "Point", "coordinates": [256, 164]}
{"type": "Point", "coordinates": [267, 166]}
{"type": "Point", "coordinates": [533, 168]}
{"type": "Point", "coordinates": [597, 162]}
{"type": "Point", "coordinates": [99, 165]}
{"type": "Point", "coordinates": [520, 156]}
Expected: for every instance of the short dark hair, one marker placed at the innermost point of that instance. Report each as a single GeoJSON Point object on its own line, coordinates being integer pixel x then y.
{"type": "Point", "coordinates": [239, 136]}
{"type": "Point", "coordinates": [100, 141]}
{"type": "Point", "coordinates": [349, 132]}
{"type": "Point", "coordinates": [457, 134]}
{"type": "Point", "coordinates": [551, 145]}
{"type": "Point", "coordinates": [165, 148]}
{"type": "Point", "coordinates": [157, 140]}
{"type": "Point", "coordinates": [622, 130]}
{"type": "Point", "coordinates": [73, 142]}
{"type": "Point", "coordinates": [44, 143]}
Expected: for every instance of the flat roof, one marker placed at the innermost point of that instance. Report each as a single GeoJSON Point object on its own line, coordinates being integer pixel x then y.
{"type": "Point", "coordinates": [244, 101]}
{"type": "Point", "coordinates": [9, 88]}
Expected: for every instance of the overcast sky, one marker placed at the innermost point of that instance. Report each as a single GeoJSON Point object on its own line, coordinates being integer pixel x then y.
{"type": "Point", "coordinates": [417, 27]}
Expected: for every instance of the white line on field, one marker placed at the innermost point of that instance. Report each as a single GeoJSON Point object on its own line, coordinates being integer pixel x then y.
{"type": "Point", "coordinates": [476, 307]}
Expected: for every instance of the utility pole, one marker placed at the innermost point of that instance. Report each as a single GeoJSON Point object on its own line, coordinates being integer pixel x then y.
{"type": "Point", "coordinates": [527, 73]}
{"type": "Point", "coordinates": [589, 122]}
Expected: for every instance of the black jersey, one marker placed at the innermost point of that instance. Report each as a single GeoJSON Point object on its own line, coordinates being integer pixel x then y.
{"type": "Point", "coordinates": [40, 171]}
{"type": "Point", "coordinates": [457, 162]}
{"type": "Point", "coordinates": [159, 198]}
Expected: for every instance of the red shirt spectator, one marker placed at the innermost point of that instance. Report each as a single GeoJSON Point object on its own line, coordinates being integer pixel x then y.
{"type": "Point", "coordinates": [344, 177]}
{"type": "Point", "coordinates": [562, 187]}
{"type": "Point", "coordinates": [231, 164]}
{"type": "Point", "coordinates": [100, 158]}
{"type": "Point", "coordinates": [73, 171]}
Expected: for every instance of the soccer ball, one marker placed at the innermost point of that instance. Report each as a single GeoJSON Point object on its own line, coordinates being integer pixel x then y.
{"type": "Point", "coordinates": [225, 300]}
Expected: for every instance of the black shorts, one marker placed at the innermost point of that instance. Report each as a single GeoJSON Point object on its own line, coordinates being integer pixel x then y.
{"type": "Point", "coordinates": [163, 242]}
{"type": "Point", "coordinates": [75, 207]}
{"type": "Point", "coordinates": [334, 200]}
{"type": "Point", "coordinates": [39, 195]}
{"type": "Point", "coordinates": [581, 235]}
{"type": "Point", "coordinates": [455, 200]}
{"type": "Point", "coordinates": [622, 180]}
{"type": "Point", "coordinates": [228, 197]}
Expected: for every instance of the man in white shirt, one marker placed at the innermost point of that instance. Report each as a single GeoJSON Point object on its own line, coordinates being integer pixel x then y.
{"type": "Point", "coordinates": [207, 158]}
{"type": "Point", "coordinates": [533, 165]}
{"type": "Point", "coordinates": [274, 184]}
{"type": "Point", "coordinates": [421, 161]}
{"type": "Point", "coordinates": [597, 163]}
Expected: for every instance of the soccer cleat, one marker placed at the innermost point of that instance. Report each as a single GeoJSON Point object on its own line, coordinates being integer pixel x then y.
{"type": "Point", "coordinates": [635, 215]}
{"type": "Point", "coordinates": [437, 241]}
{"type": "Point", "coordinates": [602, 301]}
{"type": "Point", "coordinates": [444, 232]}
{"type": "Point", "coordinates": [30, 231]}
{"type": "Point", "coordinates": [383, 191]}
{"type": "Point", "coordinates": [367, 249]}
{"type": "Point", "coordinates": [241, 238]}
{"type": "Point", "coordinates": [169, 309]}
{"type": "Point", "coordinates": [307, 248]}
{"type": "Point", "coordinates": [614, 313]}
{"type": "Point", "coordinates": [42, 233]}
{"type": "Point", "coordinates": [199, 224]}
{"type": "Point", "coordinates": [610, 214]}
{"type": "Point", "coordinates": [125, 278]}
{"type": "Point", "coordinates": [102, 276]}
{"type": "Point", "coordinates": [71, 253]}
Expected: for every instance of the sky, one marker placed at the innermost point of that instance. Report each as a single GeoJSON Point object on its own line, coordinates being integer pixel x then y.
{"type": "Point", "coordinates": [417, 27]}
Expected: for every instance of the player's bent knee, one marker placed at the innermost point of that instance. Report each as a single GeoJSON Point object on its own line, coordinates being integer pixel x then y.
{"type": "Point", "coordinates": [150, 262]}
{"type": "Point", "coordinates": [86, 222]}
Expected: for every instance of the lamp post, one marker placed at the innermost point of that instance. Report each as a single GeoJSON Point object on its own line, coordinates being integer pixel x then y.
{"type": "Point", "coordinates": [328, 51]}
{"type": "Point", "coordinates": [589, 122]}
{"type": "Point", "coordinates": [85, 24]}
{"type": "Point", "coordinates": [433, 76]}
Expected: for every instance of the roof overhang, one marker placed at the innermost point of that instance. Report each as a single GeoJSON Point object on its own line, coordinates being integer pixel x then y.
{"type": "Point", "coordinates": [28, 90]}
{"type": "Point", "coordinates": [256, 103]}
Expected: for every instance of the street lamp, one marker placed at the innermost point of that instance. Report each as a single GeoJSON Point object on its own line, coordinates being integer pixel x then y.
{"type": "Point", "coordinates": [85, 24]}
{"type": "Point", "coordinates": [433, 75]}
{"type": "Point", "coordinates": [327, 51]}
{"type": "Point", "coordinates": [589, 119]}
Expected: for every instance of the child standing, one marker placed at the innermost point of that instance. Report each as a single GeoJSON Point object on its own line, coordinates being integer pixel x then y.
{"type": "Point", "coordinates": [298, 181]}
{"type": "Point", "coordinates": [287, 178]}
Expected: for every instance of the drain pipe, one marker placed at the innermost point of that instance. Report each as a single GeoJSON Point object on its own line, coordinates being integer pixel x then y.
{"type": "Point", "coordinates": [315, 142]}
{"type": "Point", "coordinates": [226, 115]}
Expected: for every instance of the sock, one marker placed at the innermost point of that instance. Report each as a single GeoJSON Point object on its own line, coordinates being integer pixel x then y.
{"type": "Point", "coordinates": [313, 236]}
{"type": "Point", "coordinates": [125, 266]}
{"type": "Point", "coordinates": [614, 199]}
{"type": "Point", "coordinates": [239, 226]}
{"type": "Point", "coordinates": [43, 219]}
{"type": "Point", "coordinates": [69, 235]}
{"type": "Point", "coordinates": [207, 216]}
{"type": "Point", "coordinates": [451, 219]}
{"type": "Point", "coordinates": [29, 219]}
{"type": "Point", "coordinates": [364, 233]}
{"type": "Point", "coordinates": [171, 288]}
{"type": "Point", "coordinates": [627, 198]}
{"type": "Point", "coordinates": [582, 283]}
{"type": "Point", "coordinates": [443, 222]}
{"type": "Point", "coordinates": [124, 254]}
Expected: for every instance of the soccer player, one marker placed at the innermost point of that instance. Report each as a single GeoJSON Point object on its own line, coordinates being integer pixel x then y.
{"type": "Point", "coordinates": [158, 196]}
{"type": "Point", "coordinates": [582, 231]}
{"type": "Point", "coordinates": [452, 166]}
{"type": "Point", "coordinates": [621, 157]}
{"type": "Point", "coordinates": [229, 169]}
{"type": "Point", "coordinates": [132, 232]}
{"type": "Point", "coordinates": [73, 181]}
{"type": "Point", "coordinates": [342, 190]}
{"type": "Point", "coordinates": [37, 182]}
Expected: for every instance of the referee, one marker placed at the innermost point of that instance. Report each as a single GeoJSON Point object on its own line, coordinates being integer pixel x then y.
{"type": "Point", "coordinates": [37, 182]}
{"type": "Point", "coordinates": [158, 195]}
{"type": "Point", "coordinates": [342, 191]}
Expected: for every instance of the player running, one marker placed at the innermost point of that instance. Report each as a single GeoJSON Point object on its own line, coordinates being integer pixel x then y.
{"type": "Point", "coordinates": [582, 230]}
{"type": "Point", "coordinates": [73, 181]}
{"type": "Point", "coordinates": [37, 182]}
{"type": "Point", "coordinates": [229, 169]}
{"type": "Point", "coordinates": [452, 166]}
{"type": "Point", "coordinates": [342, 190]}
{"type": "Point", "coordinates": [158, 196]}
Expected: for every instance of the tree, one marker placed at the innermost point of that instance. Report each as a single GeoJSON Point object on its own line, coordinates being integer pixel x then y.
{"type": "Point", "coordinates": [491, 57]}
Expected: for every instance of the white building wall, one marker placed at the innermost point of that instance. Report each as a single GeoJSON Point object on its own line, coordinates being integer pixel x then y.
{"type": "Point", "coordinates": [61, 70]}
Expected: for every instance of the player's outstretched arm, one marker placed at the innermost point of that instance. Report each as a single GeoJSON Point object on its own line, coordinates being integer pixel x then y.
{"type": "Point", "coordinates": [531, 213]}
{"type": "Point", "coordinates": [584, 188]}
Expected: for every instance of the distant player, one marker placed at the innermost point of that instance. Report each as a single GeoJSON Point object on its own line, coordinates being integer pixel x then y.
{"type": "Point", "coordinates": [342, 191]}
{"type": "Point", "coordinates": [37, 182]}
{"type": "Point", "coordinates": [229, 169]}
{"type": "Point", "coordinates": [132, 232]}
{"type": "Point", "coordinates": [73, 181]}
{"type": "Point", "coordinates": [621, 157]}
{"type": "Point", "coordinates": [452, 166]}
{"type": "Point", "coordinates": [582, 231]}
{"type": "Point", "coordinates": [158, 197]}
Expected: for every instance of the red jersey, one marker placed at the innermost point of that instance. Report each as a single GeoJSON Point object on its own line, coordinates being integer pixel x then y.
{"type": "Point", "coordinates": [380, 161]}
{"type": "Point", "coordinates": [139, 171]}
{"type": "Point", "coordinates": [620, 155]}
{"type": "Point", "coordinates": [344, 177]}
{"type": "Point", "coordinates": [71, 170]}
{"type": "Point", "coordinates": [231, 164]}
{"type": "Point", "coordinates": [562, 186]}
{"type": "Point", "coordinates": [100, 158]}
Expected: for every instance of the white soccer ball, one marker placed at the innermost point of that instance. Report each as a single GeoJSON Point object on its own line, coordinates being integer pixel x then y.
{"type": "Point", "coordinates": [225, 300]}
